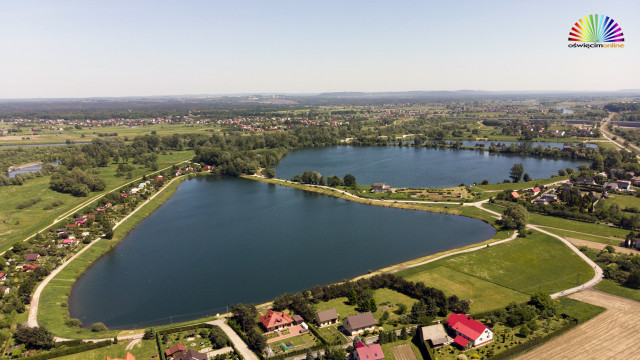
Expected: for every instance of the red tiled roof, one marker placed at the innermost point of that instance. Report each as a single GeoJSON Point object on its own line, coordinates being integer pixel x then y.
{"type": "Point", "coordinates": [360, 344]}
{"type": "Point", "coordinates": [274, 319]}
{"type": "Point", "coordinates": [515, 195]}
{"type": "Point", "coordinates": [371, 352]}
{"type": "Point", "coordinates": [468, 327]}
{"type": "Point", "coordinates": [461, 341]}
{"type": "Point", "coordinates": [536, 189]}
{"type": "Point", "coordinates": [174, 349]}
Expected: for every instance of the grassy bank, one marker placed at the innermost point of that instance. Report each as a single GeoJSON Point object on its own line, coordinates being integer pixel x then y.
{"type": "Point", "coordinates": [614, 288]}
{"type": "Point", "coordinates": [53, 309]}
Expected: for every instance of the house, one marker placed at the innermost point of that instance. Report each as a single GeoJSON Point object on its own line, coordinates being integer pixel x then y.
{"type": "Point", "coordinates": [3, 276]}
{"type": "Point", "coordinates": [514, 195]}
{"type": "Point", "coordinates": [368, 352]}
{"type": "Point", "coordinates": [624, 185]}
{"type": "Point", "coordinates": [549, 197]}
{"type": "Point", "coordinates": [29, 267]}
{"type": "Point", "coordinates": [586, 181]}
{"type": "Point", "coordinates": [81, 221]}
{"type": "Point", "coordinates": [380, 187]}
{"type": "Point", "coordinates": [469, 331]}
{"type": "Point", "coordinates": [190, 355]}
{"type": "Point", "coordinates": [637, 244]}
{"type": "Point", "coordinates": [68, 242]}
{"type": "Point", "coordinates": [208, 167]}
{"type": "Point", "coordinates": [610, 186]}
{"type": "Point", "coordinates": [5, 290]}
{"type": "Point", "coordinates": [297, 319]}
{"type": "Point", "coordinates": [31, 257]}
{"type": "Point", "coordinates": [60, 231]}
{"type": "Point", "coordinates": [160, 178]}
{"type": "Point", "coordinates": [327, 317]}
{"type": "Point", "coordinates": [71, 226]}
{"type": "Point", "coordinates": [128, 356]}
{"type": "Point", "coordinates": [274, 320]}
{"type": "Point", "coordinates": [535, 191]}
{"type": "Point", "coordinates": [174, 349]}
{"type": "Point", "coordinates": [540, 201]}
{"type": "Point", "coordinates": [356, 324]}
{"type": "Point", "coordinates": [635, 180]}
{"type": "Point", "coordinates": [435, 335]}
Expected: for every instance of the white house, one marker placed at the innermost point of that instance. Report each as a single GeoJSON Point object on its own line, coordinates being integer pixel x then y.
{"type": "Point", "coordinates": [469, 331]}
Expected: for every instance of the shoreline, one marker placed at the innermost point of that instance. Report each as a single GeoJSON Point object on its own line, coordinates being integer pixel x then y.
{"type": "Point", "coordinates": [23, 166]}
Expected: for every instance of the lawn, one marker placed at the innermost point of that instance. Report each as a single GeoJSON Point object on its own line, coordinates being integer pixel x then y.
{"type": "Point", "coordinates": [305, 340]}
{"type": "Point", "coordinates": [331, 333]}
{"type": "Point", "coordinates": [386, 300]}
{"type": "Point", "coordinates": [522, 265]}
{"type": "Point", "coordinates": [18, 224]}
{"type": "Point", "coordinates": [518, 186]}
{"type": "Point", "coordinates": [624, 201]}
{"type": "Point", "coordinates": [614, 288]}
{"type": "Point", "coordinates": [143, 350]}
{"type": "Point", "coordinates": [484, 295]}
{"type": "Point", "coordinates": [388, 354]}
{"type": "Point", "coordinates": [578, 309]}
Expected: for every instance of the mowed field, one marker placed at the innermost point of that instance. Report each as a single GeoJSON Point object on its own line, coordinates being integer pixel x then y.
{"type": "Point", "coordinates": [611, 335]}
{"type": "Point", "coordinates": [500, 274]}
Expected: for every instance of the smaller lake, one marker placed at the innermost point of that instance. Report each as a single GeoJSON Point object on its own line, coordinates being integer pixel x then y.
{"type": "Point", "coordinates": [29, 169]}
{"type": "Point", "coordinates": [415, 167]}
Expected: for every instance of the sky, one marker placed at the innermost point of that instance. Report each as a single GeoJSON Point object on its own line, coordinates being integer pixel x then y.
{"type": "Point", "coordinates": [85, 48]}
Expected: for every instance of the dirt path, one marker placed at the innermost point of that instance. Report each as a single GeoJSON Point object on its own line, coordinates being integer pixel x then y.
{"type": "Point", "coordinates": [600, 246]}
{"type": "Point", "coordinates": [578, 232]}
{"type": "Point", "coordinates": [35, 301]}
{"type": "Point", "coordinates": [611, 335]}
{"type": "Point", "coordinates": [132, 344]}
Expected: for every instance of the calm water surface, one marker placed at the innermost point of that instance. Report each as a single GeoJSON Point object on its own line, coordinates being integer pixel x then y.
{"type": "Point", "coordinates": [414, 167]}
{"type": "Point", "coordinates": [220, 241]}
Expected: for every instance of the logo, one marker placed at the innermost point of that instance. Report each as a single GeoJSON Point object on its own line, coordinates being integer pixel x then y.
{"type": "Point", "coordinates": [596, 29]}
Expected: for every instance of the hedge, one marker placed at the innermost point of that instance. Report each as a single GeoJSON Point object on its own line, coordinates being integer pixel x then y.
{"type": "Point", "coordinates": [296, 352]}
{"type": "Point", "coordinates": [522, 348]}
{"type": "Point", "coordinates": [72, 350]}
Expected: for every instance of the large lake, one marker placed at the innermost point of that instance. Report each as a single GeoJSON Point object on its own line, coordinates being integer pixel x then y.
{"type": "Point", "coordinates": [221, 241]}
{"type": "Point", "coordinates": [414, 167]}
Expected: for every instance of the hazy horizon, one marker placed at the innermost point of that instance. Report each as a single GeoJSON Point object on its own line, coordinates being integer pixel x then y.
{"type": "Point", "coordinates": [91, 49]}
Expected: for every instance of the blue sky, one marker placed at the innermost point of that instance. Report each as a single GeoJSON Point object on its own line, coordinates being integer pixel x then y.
{"type": "Point", "coordinates": [127, 48]}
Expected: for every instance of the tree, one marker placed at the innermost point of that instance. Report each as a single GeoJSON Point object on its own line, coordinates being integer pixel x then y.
{"type": "Point", "coordinates": [34, 338]}
{"type": "Point", "coordinates": [562, 172]}
{"type": "Point", "coordinates": [218, 338]}
{"type": "Point", "coordinates": [350, 181]}
{"type": "Point", "coordinates": [269, 172]}
{"type": "Point", "coordinates": [246, 315]}
{"type": "Point", "coordinates": [526, 177]}
{"type": "Point", "coordinates": [334, 181]}
{"type": "Point", "coordinates": [524, 331]}
{"type": "Point", "coordinates": [515, 216]}
{"type": "Point", "coordinates": [633, 281]}
{"type": "Point", "coordinates": [256, 340]}
{"type": "Point", "coordinates": [517, 170]}
{"type": "Point", "coordinates": [148, 334]}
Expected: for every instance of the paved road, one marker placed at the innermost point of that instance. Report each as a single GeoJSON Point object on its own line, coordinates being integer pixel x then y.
{"type": "Point", "coordinates": [242, 347]}
{"type": "Point", "coordinates": [32, 320]}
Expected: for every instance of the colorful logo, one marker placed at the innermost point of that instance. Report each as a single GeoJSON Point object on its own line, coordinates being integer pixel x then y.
{"type": "Point", "coordinates": [596, 29]}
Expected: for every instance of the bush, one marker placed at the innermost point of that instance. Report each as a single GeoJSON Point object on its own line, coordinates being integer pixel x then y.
{"type": "Point", "coordinates": [98, 327]}
{"type": "Point", "coordinates": [71, 322]}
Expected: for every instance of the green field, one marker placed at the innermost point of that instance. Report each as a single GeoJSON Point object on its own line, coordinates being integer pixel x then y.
{"type": "Point", "coordinates": [589, 228]}
{"type": "Point", "coordinates": [18, 224]}
{"type": "Point", "coordinates": [484, 295]}
{"type": "Point", "coordinates": [53, 311]}
{"type": "Point", "coordinates": [518, 186]}
{"type": "Point", "coordinates": [524, 265]}
{"type": "Point", "coordinates": [143, 350]}
{"type": "Point", "coordinates": [614, 288]}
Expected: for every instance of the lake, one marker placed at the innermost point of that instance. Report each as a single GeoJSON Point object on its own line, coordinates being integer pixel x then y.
{"type": "Point", "coordinates": [414, 167]}
{"type": "Point", "coordinates": [220, 241]}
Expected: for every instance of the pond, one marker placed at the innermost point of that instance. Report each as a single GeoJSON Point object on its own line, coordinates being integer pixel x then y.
{"type": "Point", "coordinates": [220, 241]}
{"type": "Point", "coordinates": [415, 167]}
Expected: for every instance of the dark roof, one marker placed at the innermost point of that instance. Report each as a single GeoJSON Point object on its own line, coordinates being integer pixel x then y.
{"type": "Point", "coordinates": [174, 349]}
{"type": "Point", "coordinates": [360, 321]}
{"type": "Point", "coordinates": [189, 355]}
{"type": "Point", "coordinates": [297, 318]}
{"type": "Point", "coordinates": [31, 257]}
{"type": "Point", "coordinates": [326, 315]}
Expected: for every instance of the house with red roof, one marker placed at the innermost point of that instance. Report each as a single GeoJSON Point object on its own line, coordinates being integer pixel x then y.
{"type": "Point", "coordinates": [535, 191]}
{"type": "Point", "coordinates": [515, 195]}
{"type": "Point", "coordinates": [469, 332]}
{"type": "Point", "coordinates": [368, 352]}
{"type": "Point", "coordinates": [174, 349]}
{"type": "Point", "coordinates": [274, 320]}
{"type": "Point", "coordinates": [3, 276]}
